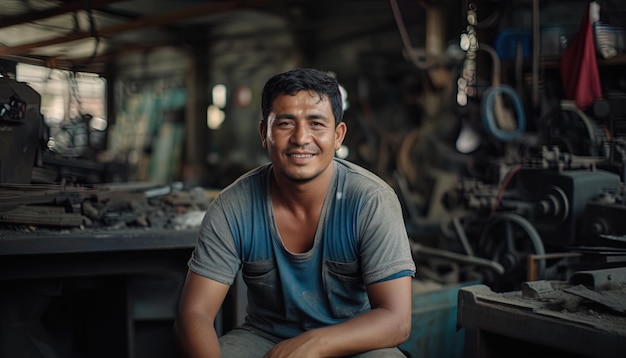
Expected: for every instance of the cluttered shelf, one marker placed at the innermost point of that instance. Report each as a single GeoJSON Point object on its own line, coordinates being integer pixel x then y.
{"type": "Point", "coordinates": [57, 219]}
{"type": "Point", "coordinates": [63, 230]}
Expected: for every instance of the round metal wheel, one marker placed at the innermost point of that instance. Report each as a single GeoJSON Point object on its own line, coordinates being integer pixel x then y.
{"type": "Point", "coordinates": [509, 239]}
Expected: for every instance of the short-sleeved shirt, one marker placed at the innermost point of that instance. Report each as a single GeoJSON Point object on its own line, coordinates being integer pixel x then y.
{"type": "Point", "coordinates": [360, 239]}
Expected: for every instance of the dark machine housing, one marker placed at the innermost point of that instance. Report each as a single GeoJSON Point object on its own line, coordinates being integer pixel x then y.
{"type": "Point", "coordinates": [22, 131]}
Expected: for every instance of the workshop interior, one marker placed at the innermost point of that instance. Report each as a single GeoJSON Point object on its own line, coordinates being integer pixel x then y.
{"type": "Point", "coordinates": [501, 125]}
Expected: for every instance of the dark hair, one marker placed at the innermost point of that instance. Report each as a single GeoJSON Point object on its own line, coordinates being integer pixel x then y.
{"type": "Point", "coordinates": [302, 79]}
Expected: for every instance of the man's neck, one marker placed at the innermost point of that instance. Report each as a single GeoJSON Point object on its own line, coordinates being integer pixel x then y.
{"type": "Point", "coordinates": [299, 195]}
{"type": "Point", "coordinates": [297, 209]}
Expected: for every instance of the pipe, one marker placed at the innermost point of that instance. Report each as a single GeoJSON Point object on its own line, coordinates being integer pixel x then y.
{"type": "Point", "coordinates": [444, 254]}
{"type": "Point", "coordinates": [536, 49]}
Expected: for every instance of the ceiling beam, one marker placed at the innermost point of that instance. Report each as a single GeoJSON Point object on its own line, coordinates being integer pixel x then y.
{"type": "Point", "coordinates": [55, 11]}
{"type": "Point", "coordinates": [160, 20]}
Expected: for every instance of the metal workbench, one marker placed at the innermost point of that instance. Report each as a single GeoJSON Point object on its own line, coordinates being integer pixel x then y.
{"type": "Point", "coordinates": [90, 252]}
{"type": "Point", "coordinates": [551, 323]}
{"type": "Point", "coordinates": [91, 293]}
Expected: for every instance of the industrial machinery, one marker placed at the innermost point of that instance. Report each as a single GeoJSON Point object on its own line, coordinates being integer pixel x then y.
{"type": "Point", "coordinates": [543, 219]}
{"type": "Point", "coordinates": [21, 131]}
{"type": "Point", "coordinates": [518, 187]}
{"type": "Point", "coordinates": [31, 152]}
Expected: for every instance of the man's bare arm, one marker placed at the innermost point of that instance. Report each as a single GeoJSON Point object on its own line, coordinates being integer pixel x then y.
{"type": "Point", "coordinates": [200, 301]}
{"type": "Point", "coordinates": [387, 325]}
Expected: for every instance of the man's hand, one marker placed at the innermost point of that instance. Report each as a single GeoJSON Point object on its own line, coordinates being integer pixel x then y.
{"type": "Point", "coordinates": [387, 325]}
{"type": "Point", "coordinates": [304, 346]}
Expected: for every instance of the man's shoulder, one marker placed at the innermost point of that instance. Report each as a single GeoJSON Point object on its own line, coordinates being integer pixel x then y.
{"type": "Point", "coordinates": [250, 180]}
{"type": "Point", "coordinates": [355, 173]}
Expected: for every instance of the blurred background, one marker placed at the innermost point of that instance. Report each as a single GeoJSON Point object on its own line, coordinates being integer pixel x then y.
{"type": "Point", "coordinates": [500, 124]}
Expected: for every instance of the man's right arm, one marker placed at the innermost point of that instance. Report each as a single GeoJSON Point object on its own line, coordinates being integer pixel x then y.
{"type": "Point", "coordinates": [200, 301]}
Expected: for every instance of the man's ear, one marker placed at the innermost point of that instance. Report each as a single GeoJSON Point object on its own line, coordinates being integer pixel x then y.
{"type": "Point", "coordinates": [340, 134]}
{"type": "Point", "coordinates": [263, 133]}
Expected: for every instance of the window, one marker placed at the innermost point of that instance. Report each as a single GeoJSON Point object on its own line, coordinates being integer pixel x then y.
{"type": "Point", "coordinates": [64, 94]}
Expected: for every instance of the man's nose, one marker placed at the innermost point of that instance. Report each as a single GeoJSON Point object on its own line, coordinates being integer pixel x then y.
{"type": "Point", "coordinates": [300, 134]}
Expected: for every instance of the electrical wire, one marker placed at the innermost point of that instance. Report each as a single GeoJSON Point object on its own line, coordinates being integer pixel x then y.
{"type": "Point", "coordinates": [503, 185]}
{"type": "Point", "coordinates": [406, 41]}
{"type": "Point", "coordinates": [93, 29]}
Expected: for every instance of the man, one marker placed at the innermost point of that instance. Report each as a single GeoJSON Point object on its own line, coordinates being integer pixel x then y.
{"type": "Point", "coordinates": [320, 241]}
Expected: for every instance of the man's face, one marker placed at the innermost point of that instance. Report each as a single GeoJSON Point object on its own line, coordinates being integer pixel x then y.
{"type": "Point", "coordinates": [300, 135]}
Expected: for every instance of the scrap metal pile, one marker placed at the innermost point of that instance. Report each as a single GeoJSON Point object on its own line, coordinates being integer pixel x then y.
{"type": "Point", "coordinates": [56, 207]}
{"type": "Point", "coordinates": [70, 196]}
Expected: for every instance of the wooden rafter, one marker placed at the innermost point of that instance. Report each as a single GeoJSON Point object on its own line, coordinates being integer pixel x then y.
{"type": "Point", "coordinates": [160, 20]}
{"type": "Point", "coordinates": [55, 11]}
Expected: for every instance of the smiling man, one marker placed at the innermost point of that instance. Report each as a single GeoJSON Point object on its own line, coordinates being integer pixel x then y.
{"type": "Point", "coordinates": [321, 243]}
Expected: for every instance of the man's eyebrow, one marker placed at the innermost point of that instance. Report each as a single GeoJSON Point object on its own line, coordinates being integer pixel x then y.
{"type": "Point", "coordinates": [285, 116]}
{"type": "Point", "coordinates": [316, 116]}
{"type": "Point", "coordinates": [309, 117]}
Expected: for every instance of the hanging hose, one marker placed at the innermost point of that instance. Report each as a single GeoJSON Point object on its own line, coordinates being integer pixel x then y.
{"type": "Point", "coordinates": [488, 113]}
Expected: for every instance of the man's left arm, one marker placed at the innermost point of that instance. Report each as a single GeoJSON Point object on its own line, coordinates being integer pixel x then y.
{"type": "Point", "coordinates": [386, 325]}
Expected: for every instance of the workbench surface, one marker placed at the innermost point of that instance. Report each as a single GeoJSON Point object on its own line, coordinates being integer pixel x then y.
{"type": "Point", "coordinates": [566, 321]}
{"type": "Point", "coordinates": [92, 252]}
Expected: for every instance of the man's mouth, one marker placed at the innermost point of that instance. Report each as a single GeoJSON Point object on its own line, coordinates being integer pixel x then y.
{"type": "Point", "coordinates": [300, 155]}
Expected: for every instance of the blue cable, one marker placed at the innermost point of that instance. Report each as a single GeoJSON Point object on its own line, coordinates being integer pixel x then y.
{"type": "Point", "coordinates": [489, 120]}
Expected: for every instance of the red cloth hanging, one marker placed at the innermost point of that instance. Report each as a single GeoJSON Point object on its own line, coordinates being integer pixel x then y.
{"type": "Point", "coordinates": [579, 67]}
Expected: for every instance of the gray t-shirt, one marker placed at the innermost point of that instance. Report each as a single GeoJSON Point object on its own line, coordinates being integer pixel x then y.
{"type": "Point", "coordinates": [360, 239]}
